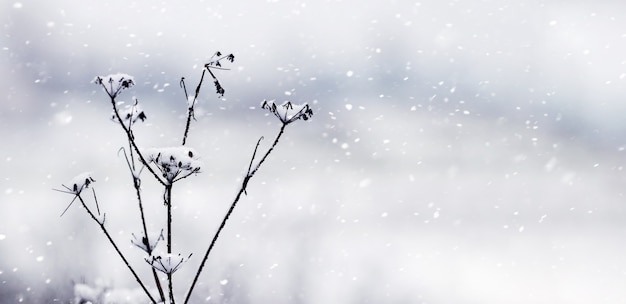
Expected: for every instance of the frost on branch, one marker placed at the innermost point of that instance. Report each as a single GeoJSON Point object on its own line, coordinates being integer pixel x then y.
{"type": "Point", "coordinates": [167, 263]}
{"type": "Point", "coordinates": [175, 163]}
{"type": "Point", "coordinates": [288, 112]}
{"type": "Point", "coordinates": [113, 84]}
{"type": "Point", "coordinates": [147, 244]}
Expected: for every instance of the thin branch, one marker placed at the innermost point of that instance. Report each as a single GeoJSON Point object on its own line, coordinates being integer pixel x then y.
{"type": "Point", "coordinates": [252, 160]}
{"type": "Point", "coordinates": [137, 186]}
{"type": "Point", "coordinates": [148, 249]}
{"type": "Point", "coordinates": [131, 139]}
{"type": "Point", "coordinates": [168, 202]}
{"type": "Point", "coordinates": [120, 254]}
{"type": "Point", "coordinates": [254, 155]}
{"type": "Point", "coordinates": [182, 85]}
{"type": "Point", "coordinates": [168, 198]}
{"type": "Point", "coordinates": [200, 84]}
{"type": "Point", "coordinates": [244, 185]}
{"type": "Point", "coordinates": [190, 173]}
{"type": "Point", "coordinates": [213, 64]}
{"type": "Point", "coordinates": [280, 133]}
{"type": "Point", "coordinates": [190, 109]}
{"type": "Point", "coordinates": [95, 200]}
{"type": "Point", "coordinates": [171, 288]}
{"type": "Point", "coordinates": [69, 205]}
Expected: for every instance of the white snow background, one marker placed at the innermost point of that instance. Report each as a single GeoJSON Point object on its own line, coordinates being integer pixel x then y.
{"type": "Point", "coordinates": [460, 151]}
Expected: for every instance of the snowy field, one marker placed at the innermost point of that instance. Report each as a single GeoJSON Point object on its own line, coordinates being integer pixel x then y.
{"type": "Point", "coordinates": [460, 151]}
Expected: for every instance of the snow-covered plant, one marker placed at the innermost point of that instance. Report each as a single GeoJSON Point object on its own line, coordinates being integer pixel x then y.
{"type": "Point", "coordinates": [166, 262]}
{"type": "Point", "coordinates": [175, 163]}
{"type": "Point", "coordinates": [147, 244]}
{"type": "Point", "coordinates": [166, 165]}
{"type": "Point", "coordinates": [130, 114]}
{"type": "Point", "coordinates": [288, 112]}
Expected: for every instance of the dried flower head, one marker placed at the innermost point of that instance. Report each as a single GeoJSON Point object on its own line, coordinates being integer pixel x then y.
{"type": "Point", "coordinates": [76, 186]}
{"type": "Point", "coordinates": [79, 183]}
{"type": "Point", "coordinates": [215, 63]}
{"type": "Point", "coordinates": [175, 163]}
{"type": "Point", "coordinates": [130, 114]}
{"type": "Point", "coordinates": [113, 84]}
{"type": "Point", "coordinates": [167, 263]}
{"type": "Point", "coordinates": [288, 112]}
{"type": "Point", "coordinates": [148, 244]}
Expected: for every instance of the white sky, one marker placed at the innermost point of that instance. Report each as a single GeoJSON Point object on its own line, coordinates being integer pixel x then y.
{"type": "Point", "coordinates": [461, 151]}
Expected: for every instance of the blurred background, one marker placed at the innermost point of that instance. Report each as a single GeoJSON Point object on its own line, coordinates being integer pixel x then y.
{"type": "Point", "coordinates": [460, 151]}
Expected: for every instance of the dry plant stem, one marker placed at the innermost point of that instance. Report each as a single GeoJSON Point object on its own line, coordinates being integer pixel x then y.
{"type": "Point", "coordinates": [137, 186]}
{"type": "Point", "coordinates": [242, 190]}
{"type": "Point", "coordinates": [131, 139]}
{"type": "Point", "coordinates": [190, 110]}
{"type": "Point", "coordinates": [145, 231]}
{"type": "Point", "coordinates": [121, 255]}
{"type": "Point", "coordinates": [171, 288]}
{"type": "Point", "coordinates": [168, 202]}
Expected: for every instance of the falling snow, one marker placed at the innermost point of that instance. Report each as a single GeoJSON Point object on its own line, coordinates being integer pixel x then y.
{"type": "Point", "coordinates": [463, 151]}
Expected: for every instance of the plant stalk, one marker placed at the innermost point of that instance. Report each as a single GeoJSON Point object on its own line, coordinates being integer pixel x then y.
{"type": "Point", "coordinates": [242, 190]}
{"type": "Point", "coordinates": [121, 255]}
{"type": "Point", "coordinates": [131, 139]}
{"type": "Point", "coordinates": [190, 109]}
{"type": "Point", "coordinates": [145, 231]}
{"type": "Point", "coordinates": [168, 202]}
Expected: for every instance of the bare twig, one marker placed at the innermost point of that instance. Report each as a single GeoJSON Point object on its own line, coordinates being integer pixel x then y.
{"type": "Point", "coordinates": [192, 104]}
{"type": "Point", "coordinates": [168, 202]}
{"type": "Point", "coordinates": [171, 169]}
{"type": "Point", "coordinates": [242, 189]}
{"type": "Point", "coordinates": [137, 186]}
{"type": "Point", "coordinates": [131, 138]}
{"type": "Point", "coordinates": [119, 253]}
{"type": "Point", "coordinates": [171, 287]}
{"type": "Point", "coordinates": [213, 64]}
{"type": "Point", "coordinates": [68, 205]}
{"type": "Point", "coordinates": [182, 85]}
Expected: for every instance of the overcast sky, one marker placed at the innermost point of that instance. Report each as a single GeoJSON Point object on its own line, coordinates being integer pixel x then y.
{"type": "Point", "coordinates": [459, 151]}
